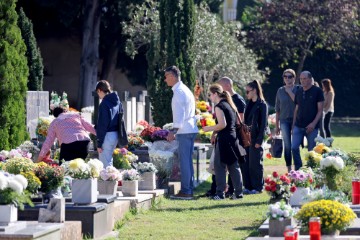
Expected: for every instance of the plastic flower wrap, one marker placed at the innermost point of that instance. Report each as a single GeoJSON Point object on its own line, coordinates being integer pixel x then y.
{"type": "Point", "coordinates": [110, 173]}
{"type": "Point", "coordinates": [130, 175]}
{"type": "Point", "coordinates": [325, 193]}
{"type": "Point", "coordinates": [79, 169]}
{"type": "Point", "coordinates": [51, 177]}
{"type": "Point", "coordinates": [89, 109]}
{"type": "Point", "coordinates": [326, 141]}
{"type": "Point", "coordinates": [145, 167]}
{"type": "Point", "coordinates": [279, 186]}
{"type": "Point", "coordinates": [12, 189]}
{"type": "Point", "coordinates": [272, 121]}
{"type": "Point", "coordinates": [122, 158]}
{"type": "Point", "coordinates": [333, 215]}
{"type": "Point", "coordinates": [302, 177]}
{"type": "Point", "coordinates": [313, 159]}
{"type": "Point", "coordinates": [162, 155]}
{"type": "Point", "coordinates": [168, 126]}
{"type": "Point", "coordinates": [280, 211]}
{"type": "Point", "coordinates": [321, 148]}
{"type": "Point", "coordinates": [43, 126]}
{"type": "Point", "coordinates": [330, 166]}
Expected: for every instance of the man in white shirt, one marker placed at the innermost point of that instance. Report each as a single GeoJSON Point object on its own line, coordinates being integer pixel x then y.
{"type": "Point", "coordinates": [184, 129]}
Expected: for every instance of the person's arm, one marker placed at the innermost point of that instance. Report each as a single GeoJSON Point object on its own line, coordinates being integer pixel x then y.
{"type": "Point", "coordinates": [178, 111]}
{"type": "Point", "coordinates": [221, 122]}
{"type": "Point", "coordinates": [88, 126]}
{"type": "Point", "coordinates": [277, 116]}
{"type": "Point", "coordinates": [263, 120]}
{"type": "Point", "coordinates": [328, 100]}
{"type": "Point", "coordinates": [49, 141]}
{"type": "Point", "coordinates": [102, 126]}
{"type": "Point", "coordinates": [294, 118]}
{"type": "Point", "coordinates": [312, 125]}
{"type": "Point", "coordinates": [290, 93]}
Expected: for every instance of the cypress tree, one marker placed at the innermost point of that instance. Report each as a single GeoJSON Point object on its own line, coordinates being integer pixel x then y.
{"type": "Point", "coordinates": [177, 20]}
{"type": "Point", "coordinates": [13, 78]}
{"type": "Point", "coordinates": [35, 63]}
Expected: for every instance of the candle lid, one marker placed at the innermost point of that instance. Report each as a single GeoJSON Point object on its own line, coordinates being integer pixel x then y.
{"type": "Point", "coordinates": [314, 219]}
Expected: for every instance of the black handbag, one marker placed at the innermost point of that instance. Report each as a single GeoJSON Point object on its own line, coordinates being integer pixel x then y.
{"type": "Point", "coordinates": [276, 147]}
{"type": "Point", "coordinates": [123, 138]}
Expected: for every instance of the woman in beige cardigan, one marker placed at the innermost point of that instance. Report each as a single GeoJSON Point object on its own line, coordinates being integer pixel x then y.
{"type": "Point", "coordinates": [329, 96]}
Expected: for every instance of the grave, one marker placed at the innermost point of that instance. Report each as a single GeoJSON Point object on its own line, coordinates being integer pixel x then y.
{"type": "Point", "coordinates": [32, 230]}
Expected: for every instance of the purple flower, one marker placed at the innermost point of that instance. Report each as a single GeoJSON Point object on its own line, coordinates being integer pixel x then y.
{"type": "Point", "coordinates": [160, 134]}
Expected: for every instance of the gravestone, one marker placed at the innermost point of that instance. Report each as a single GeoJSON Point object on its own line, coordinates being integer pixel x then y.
{"type": "Point", "coordinates": [37, 105]}
{"type": "Point", "coordinates": [55, 211]}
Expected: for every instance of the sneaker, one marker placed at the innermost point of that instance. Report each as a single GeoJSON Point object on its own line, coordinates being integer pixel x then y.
{"type": "Point", "coordinates": [218, 197]}
{"type": "Point", "coordinates": [182, 196]}
{"type": "Point", "coordinates": [255, 191]}
{"type": "Point", "coordinates": [234, 197]}
{"type": "Point", "coordinates": [210, 193]}
{"type": "Point", "coordinates": [246, 191]}
{"type": "Point", "coordinates": [228, 194]}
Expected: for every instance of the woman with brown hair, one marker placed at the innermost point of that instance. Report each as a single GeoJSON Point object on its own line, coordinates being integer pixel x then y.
{"type": "Point", "coordinates": [329, 96]}
{"type": "Point", "coordinates": [256, 114]}
{"type": "Point", "coordinates": [228, 152]}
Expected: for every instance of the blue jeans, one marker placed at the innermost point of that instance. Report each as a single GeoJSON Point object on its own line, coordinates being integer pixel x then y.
{"type": "Point", "coordinates": [285, 126]}
{"type": "Point", "coordinates": [108, 146]}
{"type": "Point", "coordinates": [186, 148]}
{"type": "Point", "coordinates": [297, 138]}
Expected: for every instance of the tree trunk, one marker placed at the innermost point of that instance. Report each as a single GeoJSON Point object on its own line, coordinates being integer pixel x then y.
{"type": "Point", "coordinates": [303, 56]}
{"type": "Point", "coordinates": [90, 53]}
{"type": "Point", "coordinates": [109, 62]}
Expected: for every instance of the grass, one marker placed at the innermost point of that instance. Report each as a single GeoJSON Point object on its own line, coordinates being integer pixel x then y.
{"type": "Point", "coordinates": [208, 219]}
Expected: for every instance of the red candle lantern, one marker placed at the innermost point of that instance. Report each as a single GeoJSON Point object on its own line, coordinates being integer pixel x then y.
{"type": "Point", "coordinates": [315, 228]}
{"type": "Point", "coordinates": [289, 235]}
{"type": "Point", "coordinates": [355, 191]}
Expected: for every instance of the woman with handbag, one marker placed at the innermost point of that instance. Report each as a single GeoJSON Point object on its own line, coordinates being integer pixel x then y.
{"type": "Point", "coordinates": [228, 152]}
{"type": "Point", "coordinates": [256, 118]}
{"type": "Point", "coordinates": [284, 107]}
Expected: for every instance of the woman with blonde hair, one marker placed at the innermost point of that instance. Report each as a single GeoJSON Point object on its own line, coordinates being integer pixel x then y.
{"type": "Point", "coordinates": [329, 96]}
{"type": "Point", "coordinates": [256, 114]}
{"type": "Point", "coordinates": [228, 152]}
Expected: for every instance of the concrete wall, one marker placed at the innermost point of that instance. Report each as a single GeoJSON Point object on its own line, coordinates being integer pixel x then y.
{"type": "Point", "coordinates": [61, 58]}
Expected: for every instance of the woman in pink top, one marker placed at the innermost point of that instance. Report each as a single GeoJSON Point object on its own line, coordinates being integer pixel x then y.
{"type": "Point", "coordinates": [71, 130]}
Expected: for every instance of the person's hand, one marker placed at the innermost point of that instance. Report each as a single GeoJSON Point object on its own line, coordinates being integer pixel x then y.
{"type": "Point", "coordinates": [100, 150]}
{"type": "Point", "coordinates": [257, 145]}
{"type": "Point", "coordinates": [39, 159]}
{"type": "Point", "coordinates": [277, 131]}
{"type": "Point", "coordinates": [213, 138]}
{"type": "Point", "coordinates": [206, 128]}
{"type": "Point", "coordinates": [310, 128]}
{"type": "Point", "coordinates": [170, 137]}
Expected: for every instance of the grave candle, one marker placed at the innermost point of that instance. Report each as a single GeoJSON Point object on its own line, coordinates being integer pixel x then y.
{"type": "Point", "coordinates": [314, 228]}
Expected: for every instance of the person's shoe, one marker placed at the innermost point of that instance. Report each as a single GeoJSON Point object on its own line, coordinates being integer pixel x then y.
{"type": "Point", "coordinates": [246, 191]}
{"type": "Point", "coordinates": [210, 193]}
{"type": "Point", "coordinates": [228, 194]}
{"type": "Point", "coordinates": [255, 191]}
{"type": "Point", "coordinates": [234, 196]}
{"type": "Point", "coordinates": [218, 197]}
{"type": "Point", "coordinates": [182, 196]}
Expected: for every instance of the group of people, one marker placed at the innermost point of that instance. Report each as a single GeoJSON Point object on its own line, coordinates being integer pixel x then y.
{"type": "Point", "coordinates": [300, 111]}
{"type": "Point", "coordinates": [72, 130]}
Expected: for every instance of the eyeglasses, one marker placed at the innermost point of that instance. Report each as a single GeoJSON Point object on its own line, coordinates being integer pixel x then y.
{"type": "Point", "coordinates": [288, 76]}
{"type": "Point", "coordinates": [247, 91]}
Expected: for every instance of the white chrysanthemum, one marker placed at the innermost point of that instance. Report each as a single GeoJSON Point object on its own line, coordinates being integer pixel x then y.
{"type": "Point", "coordinates": [4, 182]}
{"type": "Point", "coordinates": [16, 185]}
{"type": "Point", "coordinates": [21, 179]}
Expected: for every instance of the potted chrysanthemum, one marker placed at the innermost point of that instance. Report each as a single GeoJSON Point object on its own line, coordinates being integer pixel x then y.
{"type": "Point", "coordinates": [84, 182]}
{"type": "Point", "coordinates": [302, 179]}
{"type": "Point", "coordinates": [280, 215]}
{"type": "Point", "coordinates": [147, 175]}
{"type": "Point", "coordinates": [334, 216]}
{"type": "Point", "coordinates": [108, 180]}
{"type": "Point", "coordinates": [130, 183]}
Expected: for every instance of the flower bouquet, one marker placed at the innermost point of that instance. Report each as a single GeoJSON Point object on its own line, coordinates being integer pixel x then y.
{"type": "Point", "coordinates": [279, 187]}
{"type": "Point", "coordinates": [303, 180]}
{"type": "Point", "coordinates": [313, 159]}
{"type": "Point", "coordinates": [122, 158]}
{"type": "Point", "coordinates": [331, 166]}
{"type": "Point", "coordinates": [108, 181]}
{"type": "Point", "coordinates": [12, 190]}
{"type": "Point", "coordinates": [272, 121]}
{"type": "Point", "coordinates": [321, 148]}
{"type": "Point", "coordinates": [148, 132]}
{"type": "Point", "coordinates": [42, 127]}
{"type": "Point", "coordinates": [130, 175]}
{"type": "Point", "coordinates": [334, 215]}
{"type": "Point", "coordinates": [168, 126]}
{"type": "Point", "coordinates": [145, 167]}
{"type": "Point", "coordinates": [159, 135]}
{"type": "Point", "coordinates": [204, 137]}
{"type": "Point", "coordinates": [51, 177]}
{"type": "Point", "coordinates": [280, 215]}
{"type": "Point", "coordinates": [203, 106]}
{"type": "Point", "coordinates": [135, 141]}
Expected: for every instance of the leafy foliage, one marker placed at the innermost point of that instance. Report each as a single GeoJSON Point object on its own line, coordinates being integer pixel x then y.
{"type": "Point", "coordinates": [13, 78]}
{"type": "Point", "coordinates": [33, 55]}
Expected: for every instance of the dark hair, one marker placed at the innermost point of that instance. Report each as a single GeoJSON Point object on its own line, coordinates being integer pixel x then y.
{"type": "Point", "coordinates": [309, 75]}
{"type": "Point", "coordinates": [326, 85]}
{"type": "Point", "coordinates": [57, 111]}
{"type": "Point", "coordinates": [174, 70]}
{"type": "Point", "coordinates": [217, 88]}
{"type": "Point", "coordinates": [103, 86]}
{"type": "Point", "coordinates": [255, 84]}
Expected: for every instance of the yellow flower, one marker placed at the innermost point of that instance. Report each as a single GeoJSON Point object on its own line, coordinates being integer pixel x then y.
{"type": "Point", "coordinates": [76, 163]}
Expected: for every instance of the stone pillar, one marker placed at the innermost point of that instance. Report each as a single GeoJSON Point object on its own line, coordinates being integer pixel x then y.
{"type": "Point", "coordinates": [133, 113]}
{"type": "Point", "coordinates": [148, 116]}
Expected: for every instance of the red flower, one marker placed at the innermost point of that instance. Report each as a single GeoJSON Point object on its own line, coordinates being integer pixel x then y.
{"type": "Point", "coordinates": [275, 174]}
{"type": "Point", "coordinates": [268, 156]}
{"type": "Point", "coordinates": [267, 188]}
{"type": "Point", "coordinates": [293, 189]}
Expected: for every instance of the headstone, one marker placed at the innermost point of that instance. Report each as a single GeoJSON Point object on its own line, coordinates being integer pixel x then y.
{"type": "Point", "coordinates": [133, 114]}
{"type": "Point", "coordinates": [37, 105]}
{"type": "Point", "coordinates": [55, 211]}
{"type": "Point", "coordinates": [148, 116]}
{"type": "Point", "coordinates": [127, 114]}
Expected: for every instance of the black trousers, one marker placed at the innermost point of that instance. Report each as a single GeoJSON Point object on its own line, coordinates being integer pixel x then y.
{"type": "Point", "coordinates": [327, 120]}
{"type": "Point", "coordinates": [70, 151]}
{"type": "Point", "coordinates": [252, 170]}
{"type": "Point", "coordinates": [213, 185]}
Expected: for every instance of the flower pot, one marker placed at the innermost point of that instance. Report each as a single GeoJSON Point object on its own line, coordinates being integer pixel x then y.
{"type": "Point", "coordinates": [9, 214]}
{"type": "Point", "coordinates": [330, 235]}
{"type": "Point", "coordinates": [129, 188]}
{"type": "Point", "coordinates": [84, 191]}
{"type": "Point", "coordinates": [107, 187]}
{"type": "Point", "coordinates": [296, 198]}
{"type": "Point", "coordinates": [277, 227]}
{"type": "Point", "coordinates": [147, 181]}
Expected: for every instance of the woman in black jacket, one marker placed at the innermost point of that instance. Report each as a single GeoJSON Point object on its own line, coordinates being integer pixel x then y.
{"type": "Point", "coordinates": [256, 117]}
